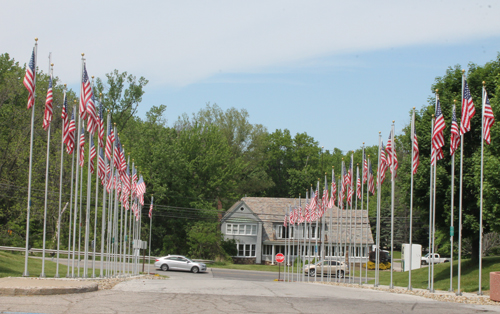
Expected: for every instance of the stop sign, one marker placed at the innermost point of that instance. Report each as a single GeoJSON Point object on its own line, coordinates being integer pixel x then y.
{"type": "Point", "coordinates": [280, 258]}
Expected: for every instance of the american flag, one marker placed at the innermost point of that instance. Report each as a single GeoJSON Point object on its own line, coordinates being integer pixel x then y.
{"type": "Point", "coordinates": [342, 186]}
{"type": "Point", "coordinates": [125, 177]}
{"type": "Point", "coordinates": [489, 119]}
{"type": "Point", "coordinates": [109, 185]}
{"type": "Point", "coordinates": [65, 120]}
{"type": "Point", "coordinates": [82, 147]}
{"type": "Point", "coordinates": [371, 187]}
{"type": "Point", "coordinates": [117, 153]}
{"type": "Point", "coordinates": [439, 125]}
{"type": "Point", "coordinates": [416, 153]}
{"type": "Point", "coordinates": [29, 80]}
{"type": "Point", "coordinates": [118, 184]}
{"type": "Point", "coordinates": [123, 163]}
{"type": "Point", "coordinates": [92, 122]}
{"type": "Point", "coordinates": [285, 220]}
{"type": "Point", "coordinates": [101, 127]}
{"type": "Point", "coordinates": [150, 214]}
{"type": "Point", "coordinates": [85, 92]}
{"type": "Point", "coordinates": [324, 200]}
{"type": "Point", "coordinates": [47, 115]}
{"type": "Point", "coordinates": [109, 142]}
{"type": "Point", "coordinates": [358, 187]}
{"type": "Point", "coordinates": [455, 133]}
{"type": "Point", "coordinates": [365, 168]}
{"type": "Point", "coordinates": [141, 189]}
{"type": "Point", "coordinates": [93, 154]}
{"type": "Point", "coordinates": [101, 167]}
{"type": "Point", "coordinates": [313, 205]}
{"type": "Point", "coordinates": [382, 166]}
{"type": "Point", "coordinates": [292, 217]}
{"type": "Point", "coordinates": [133, 185]}
{"type": "Point", "coordinates": [70, 139]}
{"type": "Point", "coordinates": [389, 154]}
{"type": "Point", "coordinates": [468, 109]}
{"type": "Point", "coordinates": [333, 195]}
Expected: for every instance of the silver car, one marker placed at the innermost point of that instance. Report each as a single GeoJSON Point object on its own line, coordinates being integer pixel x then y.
{"type": "Point", "coordinates": [339, 269]}
{"type": "Point", "coordinates": [179, 262]}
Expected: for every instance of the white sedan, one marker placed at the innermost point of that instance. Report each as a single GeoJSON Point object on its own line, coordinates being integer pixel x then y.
{"type": "Point", "coordinates": [179, 262]}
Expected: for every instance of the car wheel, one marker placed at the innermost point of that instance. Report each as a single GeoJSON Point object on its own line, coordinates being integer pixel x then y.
{"type": "Point", "coordinates": [164, 267]}
{"type": "Point", "coordinates": [195, 270]}
{"type": "Point", "coordinates": [312, 273]}
{"type": "Point", "coordinates": [340, 274]}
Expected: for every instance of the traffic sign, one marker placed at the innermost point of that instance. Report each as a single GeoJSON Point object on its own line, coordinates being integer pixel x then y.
{"type": "Point", "coordinates": [280, 258]}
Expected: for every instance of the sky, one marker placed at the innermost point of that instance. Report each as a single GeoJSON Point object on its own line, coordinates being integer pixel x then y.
{"type": "Point", "coordinates": [341, 71]}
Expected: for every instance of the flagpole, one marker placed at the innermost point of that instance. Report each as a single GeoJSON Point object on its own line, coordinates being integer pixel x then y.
{"type": "Point", "coordinates": [289, 240]}
{"type": "Point", "coordinates": [150, 228]}
{"type": "Point", "coordinates": [430, 210]}
{"type": "Point", "coordinates": [42, 274]}
{"type": "Point", "coordinates": [361, 221]}
{"type": "Point", "coordinates": [452, 231]}
{"type": "Point", "coordinates": [87, 212]}
{"type": "Point", "coordinates": [71, 199]}
{"type": "Point", "coordinates": [341, 247]}
{"type": "Point", "coordinates": [459, 292]}
{"type": "Point", "coordinates": [103, 213]}
{"type": "Point", "coordinates": [367, 220]}
{"type": "Point", "coordinates": [483, 100]}
{"type": "Point", "coordinates": [133, 191]}
{"type": "Point", "coordinates": [125, 239]}
{"type": "Point", "coordinates": [355, 217]}
{"type": "Point", "coordinates": [60, 192]}
{"type": "Point", "coordinates": [316, 231]}
{"type": "Point", "coordinates": [96, 169]}
{"type": "Point", "coordinates": [26, 272]}
{"type": "Point", "coordinates": [393, 175]}
{"type": "Point", "coordinates": [379, 191]}
{"type": "Point", "coordinates": [80, 217]}
{"type": "Point", "coordinates": [77, 136]}
{"type": "Point", "coordinates": [412, 138]}
{"type": "Point", "coordinates": [299, 249]}
{"type": "Point", "coordinates": [350, 248]}
{"type": "Point", "coordinates": [330, 244]}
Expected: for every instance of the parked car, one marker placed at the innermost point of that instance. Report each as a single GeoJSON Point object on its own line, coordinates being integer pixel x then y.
{"type": "Point", "coordinates": [179, 262]}
{"type": "Point", "coordinates": [339, 269]}
{"type": "Point", "coordinates": [428, 258]}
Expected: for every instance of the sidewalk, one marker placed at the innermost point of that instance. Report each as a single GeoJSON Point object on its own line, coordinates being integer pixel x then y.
{"type": "Point", "coordinates": [44, 286]}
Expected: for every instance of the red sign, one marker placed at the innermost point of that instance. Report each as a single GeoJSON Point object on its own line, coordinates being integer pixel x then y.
{"type": "Point", "coordinates": [280, 258]}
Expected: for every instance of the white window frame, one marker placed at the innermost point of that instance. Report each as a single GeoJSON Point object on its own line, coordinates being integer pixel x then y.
{"type": "Point", "coordinates": [246, 249]}
{"type": "Point", "coordinates": [241, 229]}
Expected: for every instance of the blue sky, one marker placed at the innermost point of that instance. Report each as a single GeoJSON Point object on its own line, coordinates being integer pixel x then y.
{"type": "Point", "coordinates": [339, 70]}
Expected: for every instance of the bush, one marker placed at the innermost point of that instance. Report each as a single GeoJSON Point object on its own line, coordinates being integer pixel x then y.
{"type": "Point", "coordinates": [382, 266]}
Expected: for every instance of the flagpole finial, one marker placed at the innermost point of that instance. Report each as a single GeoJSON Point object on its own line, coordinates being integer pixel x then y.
{"type": "Point", "coordinates": [129, 153]}
{"type": "Point", "coordinates": [484, 83]}
{"type": "Point", "coordinates": [36, 38]}
{"type": "Point", "coordinates": [92, 77]}
{"type": "Point", "coordinates": [437, 90]}
{"type": "Point", "coordinates": [379, 132]}
{"type": "Point", "coordinates": [332, 167]}
{"type": "Point", "coordinates": [433, 116]}
{"type": "Point", "coordinates": [363, 143]}
{"type": "Point", "coordinates": [311, 185]}
{"type": "Point", "coordinates": [357, 164]}
{"type": "Point", "coordinates": [114, 123]}
{"type": "Point", "coordinates": [454, 101]}
{"type": "Point", "coordinates": [52, 64]}
{"type": "Point", "coordinates": [325, 173]}
{"type": "Point", "coordinates": [393, 121]}
{"type": "Point", "coordinates": [64, 85]}
{"type": "Point", "coordinates": [83, 54]}
{"type": "Point", "coordinates": [300, 194]}
{"type": "Point", "coordinates": [368, 155]}
{"type": "Point", "coordinates": [74, 101]}
{"type": "Point", "coordinates": [100, 94]}
{"type": "Point", "coordinates": [463, 70]}
{"type": "Point", "coordinates": [413, 108]}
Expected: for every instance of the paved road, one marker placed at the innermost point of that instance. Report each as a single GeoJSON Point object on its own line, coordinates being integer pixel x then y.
{"type": "Point", "coordinates": [212, 293]}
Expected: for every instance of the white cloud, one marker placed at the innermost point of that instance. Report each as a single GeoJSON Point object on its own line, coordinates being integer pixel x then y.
{"type": "Point", "coordinates": [181, 42]}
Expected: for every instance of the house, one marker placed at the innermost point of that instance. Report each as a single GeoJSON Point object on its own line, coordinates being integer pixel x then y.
{"type": "Point", "coordinates": [256, 223]}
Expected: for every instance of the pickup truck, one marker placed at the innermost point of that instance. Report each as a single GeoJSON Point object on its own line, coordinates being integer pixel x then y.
{"type": "Point", "coordinates": [429, 258]}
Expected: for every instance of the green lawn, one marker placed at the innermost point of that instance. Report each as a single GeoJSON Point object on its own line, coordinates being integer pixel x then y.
{"type": "Point", "coordinates": [419, 277]}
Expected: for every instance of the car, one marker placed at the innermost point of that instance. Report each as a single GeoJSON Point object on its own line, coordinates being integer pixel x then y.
{"type": "Point", "coordinates": [436, 258]}
{"type": "Point", "coordinates": [179, 262]}
{"type": "Point", "coordinates": [336, 268]}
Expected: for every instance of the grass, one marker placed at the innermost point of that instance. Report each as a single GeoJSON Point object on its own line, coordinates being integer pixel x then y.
{"type": "Point", "coordinates": [419, 277]}
{"type": "Point", "coordinates": [13, 265]}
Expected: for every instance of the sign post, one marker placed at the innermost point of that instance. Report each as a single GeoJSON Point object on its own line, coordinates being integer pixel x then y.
{"type": "Point", "coordinates": [280, 258]}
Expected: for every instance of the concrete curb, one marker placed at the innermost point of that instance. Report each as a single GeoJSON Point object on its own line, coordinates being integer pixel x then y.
{"type": "Point", "coordinates": [12, 286]}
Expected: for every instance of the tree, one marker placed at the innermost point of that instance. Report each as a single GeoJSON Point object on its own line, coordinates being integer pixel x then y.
{"type": "Point", "coordinates": [121, 101]}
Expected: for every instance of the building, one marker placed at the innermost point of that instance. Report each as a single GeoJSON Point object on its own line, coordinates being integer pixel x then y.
{"type": "Point", "coordinates": [256, 223]}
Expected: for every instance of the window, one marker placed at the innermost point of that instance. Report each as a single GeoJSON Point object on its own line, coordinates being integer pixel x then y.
{"type": "Point", "coordinates": [241, 229]}
{"type": "Point", "coordinates": [246, 250]}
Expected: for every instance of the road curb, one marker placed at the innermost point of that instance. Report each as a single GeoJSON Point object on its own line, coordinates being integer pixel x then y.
{"type": "Point", "coordinates": [12, 286]}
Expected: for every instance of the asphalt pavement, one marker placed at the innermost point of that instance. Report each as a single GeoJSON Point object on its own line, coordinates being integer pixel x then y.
{"type": "Point", "coordinates": [231, 291]}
